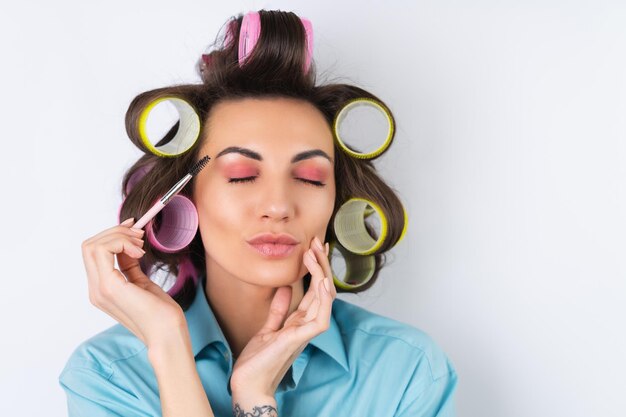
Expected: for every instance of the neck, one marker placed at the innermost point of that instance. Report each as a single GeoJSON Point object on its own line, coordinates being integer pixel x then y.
{"type": "Point", "coordinates": [241, 308]}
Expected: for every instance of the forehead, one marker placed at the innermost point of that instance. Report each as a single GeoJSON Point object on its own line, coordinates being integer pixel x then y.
{"type": "Point", "coordinates": [268, 123]}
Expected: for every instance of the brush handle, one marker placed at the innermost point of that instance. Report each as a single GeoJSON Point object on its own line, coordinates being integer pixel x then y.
{"type": "Point", "coordinates": [158, 206]}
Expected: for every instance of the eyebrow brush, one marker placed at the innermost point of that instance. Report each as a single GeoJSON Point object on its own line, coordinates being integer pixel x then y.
{"type": "Point", "coordinates": [158, 206]}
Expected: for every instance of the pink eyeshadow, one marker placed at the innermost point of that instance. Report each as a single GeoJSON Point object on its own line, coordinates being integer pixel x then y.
{"type": "Point", "coordinates": [312, 173]}
{"type": "Point", "coordinates": [240, 171]}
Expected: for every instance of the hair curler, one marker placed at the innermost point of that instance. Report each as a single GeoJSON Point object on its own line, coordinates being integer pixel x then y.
{"type": "Point", "coordinates": [350, 227]}
{"type": "Point", "coordinates": [359, 269]}
{"type": "Point", "coordinates": [161, 274]}
{"type": "Point", "coordinates": [341, 119]}
{"type": "Point", "coordinates": [132, 181]}
{"type": "Point", "coordinates": [251, 31]}
{"type": "Point", "coordinates": [186, 136]}
{"type": "Point", "coordinates": [137, 176]}
{"type": "Point", "coordinates": [175, 226]}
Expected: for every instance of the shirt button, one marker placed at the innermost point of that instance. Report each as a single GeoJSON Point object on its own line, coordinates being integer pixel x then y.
{"type": "Point", "coordinates": [226, 355]}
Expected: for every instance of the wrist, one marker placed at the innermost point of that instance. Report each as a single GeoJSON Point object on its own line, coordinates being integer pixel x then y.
{"type": "Point", "coordinates": [254, 404]}
{"type": "Point", "coordinates": [176, 341]}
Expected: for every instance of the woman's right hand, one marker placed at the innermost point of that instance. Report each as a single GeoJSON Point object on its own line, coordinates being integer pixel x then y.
{"type": "Point", "coordinates": [138, 304]}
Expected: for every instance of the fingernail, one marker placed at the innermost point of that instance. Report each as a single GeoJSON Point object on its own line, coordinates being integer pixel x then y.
{"type": "Point", "coordinates": [327, 247]}
{"type": "Point", "coordinates": [318, 244]}
{"type": "Point", "coordinates": [128, 221]}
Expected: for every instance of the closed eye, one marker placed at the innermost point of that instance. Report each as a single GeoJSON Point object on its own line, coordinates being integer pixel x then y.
{"type": "Point", "coordinates": [251, 179]}
{"type": "Point", "coordinates": [246, 179]}
{"type": "Point", "coordinates": [311, 182]}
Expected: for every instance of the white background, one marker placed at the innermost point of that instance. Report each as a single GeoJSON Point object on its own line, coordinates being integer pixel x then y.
{"type": "Point", "coordinates": [509, 156]}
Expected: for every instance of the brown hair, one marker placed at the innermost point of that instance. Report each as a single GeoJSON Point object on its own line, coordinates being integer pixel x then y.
{"type": "Point", "coordinates": [274, 69]}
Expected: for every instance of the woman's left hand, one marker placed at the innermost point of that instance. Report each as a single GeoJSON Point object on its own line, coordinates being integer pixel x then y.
{"type": "Point", "coordinates": [265, 360]}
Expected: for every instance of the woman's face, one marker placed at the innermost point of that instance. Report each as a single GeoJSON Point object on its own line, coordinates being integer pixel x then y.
{"type": "Point", "coordinates": [279, 145]}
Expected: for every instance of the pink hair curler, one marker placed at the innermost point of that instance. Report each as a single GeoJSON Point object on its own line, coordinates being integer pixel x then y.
{"type": "Point", "coordinates": [251, 30]}
{"type": "Point", "coordinates": [137, 176]}
{"type": "Point", "coordinates": [186, 271]}
{"type": "Point", "coordinates": [228, 38]}
{"type": "Point", "coordinates": [134, 179]}
{"type": "Point", "coordinates": [161, 275]}
{"type": "Point", "coordinates": [177, 227]}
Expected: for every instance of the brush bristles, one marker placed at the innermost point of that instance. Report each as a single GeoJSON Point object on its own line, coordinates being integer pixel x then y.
{"type": "Point", "coordinates": [199, 165]}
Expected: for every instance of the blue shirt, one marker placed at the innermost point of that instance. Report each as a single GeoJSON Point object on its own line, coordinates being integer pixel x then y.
{"type": "Point", "coordinates": [363, 365]}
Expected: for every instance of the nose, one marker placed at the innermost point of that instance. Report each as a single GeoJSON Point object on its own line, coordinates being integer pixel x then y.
{"type": "Point", "coordinates": [277, 202]}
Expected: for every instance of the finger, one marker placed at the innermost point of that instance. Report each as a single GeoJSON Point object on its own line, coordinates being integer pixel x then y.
{"type": "Point", "coordinates": [88, 250]}
{"type": "Point", "coordinates": [96, 267]}
{"type": "Point", "coordinates": [308, 297]}
{"type": "Point", "coordinates": [310, 294]}
{"type": "Point", "coordinates": [100, 296]}
{"type": "Point", "coordinates": [131, 269]}
{"type": "Point", "coordinates": [317, 274]}
{"type": "Point", "coordinates": [116, 229]}
{"type": "Point", "coordinates": [135, 244]}
{"type": "Point", "coordinates": [121, 235]}
{"type": "Point", "coordinates": [125, 228]}
{"type": "Point", "coordinates": [278, 309]}
{"type": "Point", "coordinates": [322, 258]}
{"type": "Point", "coordinates": [104, 255]}
{"type": "Point", "coordinates": [311, 307]}
{"type": "Point", "coordinates": [126, 297]}
{"type": "Point", "coordinates": [322, 321]}
{"type": "Point", "coordinates": [324, 261]}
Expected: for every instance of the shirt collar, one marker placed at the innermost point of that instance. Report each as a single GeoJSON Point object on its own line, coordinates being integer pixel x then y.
{"type": "Point", "coordinates": [203, 326]}
{"type": "Point", "coordinates": [331, 343]}
{"type": "Point", "coordinates": [205, 330]}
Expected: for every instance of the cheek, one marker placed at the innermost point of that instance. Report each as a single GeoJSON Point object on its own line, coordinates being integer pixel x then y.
{"type": "Point", "coordinates": [219, 212]}
{"type": "Point", "coordinates": [320, 209]}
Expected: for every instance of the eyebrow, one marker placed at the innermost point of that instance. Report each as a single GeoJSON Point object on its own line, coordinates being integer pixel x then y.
{"type": "Point", "coordinates": [254, 155]}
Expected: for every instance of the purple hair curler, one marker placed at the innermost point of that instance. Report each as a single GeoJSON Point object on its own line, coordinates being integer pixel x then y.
{"type": "Point", "coordinates": [177, 225]}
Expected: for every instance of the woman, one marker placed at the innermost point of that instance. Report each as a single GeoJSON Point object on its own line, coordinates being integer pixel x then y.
{"type": "Point", "coordinates": [255, 328]}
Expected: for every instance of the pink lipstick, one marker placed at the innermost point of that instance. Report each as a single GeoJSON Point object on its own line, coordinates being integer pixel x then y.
{"type": "Point", "coordinates": [273, 246]}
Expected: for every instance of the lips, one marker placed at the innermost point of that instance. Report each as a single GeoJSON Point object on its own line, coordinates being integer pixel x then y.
{"type": "Point", "coordinates": [283, 238]}
{"type": "Point", "coordinates": [274, 245]}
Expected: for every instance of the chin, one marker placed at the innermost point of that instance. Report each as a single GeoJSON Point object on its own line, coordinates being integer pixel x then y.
{"type": "Point", "coordinates": [276, 274]}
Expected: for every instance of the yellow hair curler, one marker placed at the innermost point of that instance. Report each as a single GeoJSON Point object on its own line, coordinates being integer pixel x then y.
{"type": "Point", "coordinates": [406, 224]}
{"type": "Point", "coordinates": [345, 121]}
{"type": "Point", "coordinates": [350, 228]}
{"type": "Point", "coordinates": [186, 135]}
{"type": "Point", "coordinates": [359, 269]}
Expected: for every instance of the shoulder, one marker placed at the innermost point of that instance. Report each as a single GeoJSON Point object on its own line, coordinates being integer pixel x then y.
{"type": "Point", "coordinates": [107, 374]}
{"type": "Point", "coordinates": [100, 352]}
{"type": "Point", "coordinates": [372, 337]}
